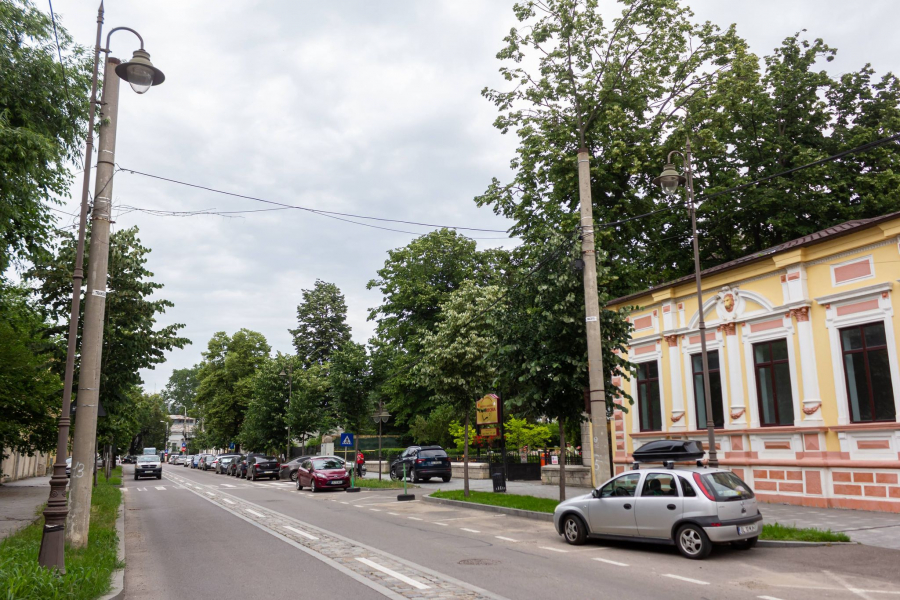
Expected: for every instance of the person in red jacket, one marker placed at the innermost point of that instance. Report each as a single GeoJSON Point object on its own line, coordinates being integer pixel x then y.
{"type": "Point", "coordinates": [360, 461]}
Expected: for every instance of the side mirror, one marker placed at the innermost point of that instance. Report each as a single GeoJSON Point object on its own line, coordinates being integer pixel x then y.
{"type": "Point", "coordinates": [595, 493]}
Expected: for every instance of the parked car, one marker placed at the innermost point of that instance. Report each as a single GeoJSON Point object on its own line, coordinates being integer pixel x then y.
{"type": "Point", "coordinates": [289, 469]}
{"type": "Point", "coordinates": [148, 465]}
{"type": "Point", "coordinates": [195, 460]}
{"type": "Point", "coordinates": [262, 466]}
{"type": "Point", "coordinates": [422, 463]}
{"type": "Point", "coordinates": [224, 462]}
{"type": "Point", "coordinates": [240, 469]}
{"type": "Point", "coordinates": [129, 459]}
{"type": "Point", "coordinates": [69, 467]}
{"type": "Point", "coordinates": [188, 460]}
{"type": "Point", "coordinates": [322, 472]}
{"type": "Point", "coordinates": [692, 508]}
{"type": "Point", "coordinates": [179, 459]}
{"type": "Point", "coordinates": [206, 462]}
{"type": "Point", "coordinates": [234, 465]}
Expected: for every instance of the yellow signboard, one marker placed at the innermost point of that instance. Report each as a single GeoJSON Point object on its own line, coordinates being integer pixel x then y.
{"type": "Point", "coordinates": [489, 432]}
{"type": "Point", "coordinates": [486, 410]}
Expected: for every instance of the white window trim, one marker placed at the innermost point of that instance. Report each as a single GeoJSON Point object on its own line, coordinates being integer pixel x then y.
{"type": "Point", "coordinates": [688, 349]}
{"type": "Point", "coordinates": [833, 323]}
{"type": "Point", "coordinates": [656, 355]}
{"type": "Point", "coordinates": [785, 332]}
{"type": "Point", "coordinates": [871, 274]}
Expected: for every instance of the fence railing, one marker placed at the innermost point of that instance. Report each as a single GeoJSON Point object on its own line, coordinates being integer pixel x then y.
{"type": "Point", "coordinates": [542, 457]}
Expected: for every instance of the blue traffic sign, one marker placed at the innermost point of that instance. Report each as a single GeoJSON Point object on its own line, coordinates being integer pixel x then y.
{"type": "Point", "coordinates": [231, 446]}
{"type": "Point", "coordinates": [346, 439]}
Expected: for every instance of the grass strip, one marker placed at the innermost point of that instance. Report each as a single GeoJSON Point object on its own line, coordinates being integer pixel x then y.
{"type": "Point", "coordinates": [786, 533]}
{"type": "Point", "coordinates": [533, 503]}
{"type": "Point", "coordinates": [88, 570]}
{"type": "Point", "coordinates": [385, 483]}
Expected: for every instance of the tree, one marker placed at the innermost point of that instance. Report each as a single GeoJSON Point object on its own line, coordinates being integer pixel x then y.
{"type": "Point", "coordinates": [435, 428]}
{"type": "Point", "coordinates": [265, 424]}
{"type": "Point", "coordinates": [30, 400]}
{"type": "Point", "coordinates": [310, 412]}
{"type": "Point", "coordinates": [43, 119]}
{"type": "Point", "coordinates": [321, 324]}
{"type": "Point", "coordinates": [226, 383]}
{"type": "Point", "coordinates": [350, 379]}
{"type": "Point", "coordinates": [181, 390]}
{"type": "Point", "coordinates": [454, 364]}
{"type": "Point", "coordinates": [414, 282]}
{"type": "Point", "coordinates": [520, 433]}
{"type": "Point", "coordinates": [149, 416]}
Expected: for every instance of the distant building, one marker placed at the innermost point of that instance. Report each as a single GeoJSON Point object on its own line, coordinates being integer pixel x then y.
{"type": "Point", "coordinates": [180, 429]}
{"type": "Point", "coordinates": [803, 359]}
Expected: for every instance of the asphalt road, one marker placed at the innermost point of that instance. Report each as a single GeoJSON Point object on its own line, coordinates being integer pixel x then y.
{"type": "Point", "coordinates": [212, 536]}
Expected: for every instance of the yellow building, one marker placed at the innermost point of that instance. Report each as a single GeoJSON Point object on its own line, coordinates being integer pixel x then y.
{"type": "Point", "coordinates": [803, 365]}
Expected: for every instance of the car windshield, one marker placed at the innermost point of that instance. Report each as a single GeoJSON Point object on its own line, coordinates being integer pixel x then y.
{"type": "Point", "coordinates": [432, 454]}
{"type": "Point", "coordinates": [147, 459]}
{"type": "Point", "coordinates": [727, 486]}
{"type": "Point", "coordinates": [328, 463]}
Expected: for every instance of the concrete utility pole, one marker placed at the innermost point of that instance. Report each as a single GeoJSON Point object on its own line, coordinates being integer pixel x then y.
{"type": "Point", "coordinates": [600, 471]}
{"type": "Point", "coordinates": [94, 308]}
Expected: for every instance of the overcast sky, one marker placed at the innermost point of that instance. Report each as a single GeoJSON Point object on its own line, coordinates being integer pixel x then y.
{"type": "Point", "coordinates": [363, 107]}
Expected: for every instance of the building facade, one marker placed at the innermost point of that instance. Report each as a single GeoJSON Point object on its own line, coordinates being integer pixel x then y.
{"type": "Point", "coordinates": [181, 429]}
{"type": "Point", "coordinates": [803, 360]}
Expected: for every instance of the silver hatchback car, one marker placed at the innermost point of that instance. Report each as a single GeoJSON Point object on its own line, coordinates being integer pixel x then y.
{"type": "Point", "coordinates": [692, 508]}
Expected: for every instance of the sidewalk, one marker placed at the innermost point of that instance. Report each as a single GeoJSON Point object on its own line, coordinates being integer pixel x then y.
{"type": "Point", "coordinates": [18, 502]}
{"type": "Point", "coordinates": [871, 528]}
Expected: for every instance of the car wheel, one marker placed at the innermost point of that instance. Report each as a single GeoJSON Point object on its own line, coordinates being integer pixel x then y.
{"type": "Point", "coordinates": [394, 476]}
{"type": "Point", "coordinates": [745, 544]}
{"type": "Point", "coordinates": [294, 476]}
{"type": "Point", "coordinates": [251, 475]}
{"type": "Point", "coordinates": [299, 485]}
{"type": "Point", "coordinates": [135, 477]}
{"type": "Point", "coordinates": [312, 486]}
{"type": "Point", "coordinates": [574, 530]}
{"type": "Point", "coordinates": [445, 478]}
{"type": "Point", "coordinates": [159, 476]}
{"type": "Point", "coordinates": [692, 542]}
{"type": "Point", "coordinates": [276, 477]}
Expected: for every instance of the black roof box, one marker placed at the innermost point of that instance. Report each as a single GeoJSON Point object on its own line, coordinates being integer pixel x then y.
{"type": "Point", "coordinates": [669, 450]}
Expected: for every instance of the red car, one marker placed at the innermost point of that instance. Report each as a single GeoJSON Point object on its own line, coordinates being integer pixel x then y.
{"type": "Point", "coordinates": [322, 472]}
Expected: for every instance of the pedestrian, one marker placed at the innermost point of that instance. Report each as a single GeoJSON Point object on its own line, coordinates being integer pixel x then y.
{"type": "Point", "coordinates": [360, 461]}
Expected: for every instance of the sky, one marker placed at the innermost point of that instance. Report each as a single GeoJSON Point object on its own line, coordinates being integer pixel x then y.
{"type": "Point", "coordinates": [361, 107]}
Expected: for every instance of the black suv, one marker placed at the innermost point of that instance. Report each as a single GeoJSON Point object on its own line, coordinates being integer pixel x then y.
{"type": "Point", "coordinates": [260, 465]}
{"type": "Point", "coordinates": [422, 463]}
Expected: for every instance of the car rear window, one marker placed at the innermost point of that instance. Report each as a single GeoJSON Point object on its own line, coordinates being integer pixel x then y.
{"type": "Point", "coordinates": [727, 486]}
{"type": "Point", "coordinates": [265, 458]}
{"type": "Point", "coordinates": [432, 454]}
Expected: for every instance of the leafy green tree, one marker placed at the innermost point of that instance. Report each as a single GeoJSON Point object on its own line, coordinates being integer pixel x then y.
{"type": "Point", "coordinates": [435, 428]}
{"type": "Point", "coordinates": [350, 380]}
{"type": "Point", "coordinates": [310, 411]}
{"type": "Point", "coordinates": [181, 389]}
{"type": "Point", "coordinates": [521, 433]}
{"type": "Point", "coordinates": [455, 365]}
{"type": "Point", "coordinates": [321, 323]}
{"type": "Point", "coordinates": [43, 117]}
{"type": "Point", "coordinates": [414, 282]}
{"type": "Point", "coordinates": [226, 383]}
{"type": "Point", "coordinates": [30, 397]}
{"type": "Point", "coordinates": [148, 417]}
{"type": "Point", "coordinates": [265, 423]}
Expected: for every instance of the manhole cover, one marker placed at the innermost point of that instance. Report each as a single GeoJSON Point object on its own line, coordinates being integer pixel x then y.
{"type": "Point", "coordinates": [479, 562]}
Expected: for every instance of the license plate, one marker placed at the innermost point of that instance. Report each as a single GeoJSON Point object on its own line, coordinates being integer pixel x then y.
{"type": "Point", "coordinates": [336, 482]}
{"type": "Point", "coordinates": [747, 529]}
{"type": "Point", "coordinates": [433, 463]}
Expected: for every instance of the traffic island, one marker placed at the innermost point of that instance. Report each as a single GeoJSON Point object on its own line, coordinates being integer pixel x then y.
{"type": "Point", "coordinates": [528, 507]}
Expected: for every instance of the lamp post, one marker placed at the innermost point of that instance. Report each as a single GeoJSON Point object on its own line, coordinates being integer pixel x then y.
{"type": "Point", "coordinates": [290, 378]}
{"type": "Point", "coordinates": [380, 416]}
{"type": "Point", "coordinates": [670, 180]}
{"type": "Point", "coordinates": [141, 74]}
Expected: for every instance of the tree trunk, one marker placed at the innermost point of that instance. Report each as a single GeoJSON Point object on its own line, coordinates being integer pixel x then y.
{"type": "Point", "coordinates": [466, 458]}
{"type": "Point", "coordinates": [562, 461]}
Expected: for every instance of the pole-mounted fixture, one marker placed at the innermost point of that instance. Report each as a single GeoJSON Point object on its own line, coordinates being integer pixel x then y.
{"type": "Point", "coordinates": [139, 72]}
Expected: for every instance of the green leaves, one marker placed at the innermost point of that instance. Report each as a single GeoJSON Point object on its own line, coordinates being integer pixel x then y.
{"type": "Point", "coordinates": [321, 323]}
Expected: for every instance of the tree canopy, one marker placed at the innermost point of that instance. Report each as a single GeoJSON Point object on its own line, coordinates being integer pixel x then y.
{"type": "Point", "coordinates": [321, 323]}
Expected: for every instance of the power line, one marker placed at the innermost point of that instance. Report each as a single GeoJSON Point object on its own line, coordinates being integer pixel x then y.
{"type": "Point", "coordinates": [312, 210]}
{"type": "Point", "coordinates": [62, 65]}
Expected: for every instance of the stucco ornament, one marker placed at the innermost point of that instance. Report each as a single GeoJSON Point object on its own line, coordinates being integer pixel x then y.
{"type": "Point", "coordinates": [729, 304]}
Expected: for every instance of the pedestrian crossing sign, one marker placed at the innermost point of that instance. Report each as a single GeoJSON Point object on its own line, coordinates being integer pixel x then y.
{"type": "Point", "coordinates": [346, 439]}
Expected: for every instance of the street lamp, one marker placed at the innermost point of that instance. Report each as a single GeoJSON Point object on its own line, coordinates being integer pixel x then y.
{"type": "Point", "coordinates": [141, 74]}
{"type": "Point", "coordinates": [670, 180]}
{"type": "Point", "coordinates": [380, 416]}
{"type": "Point", "coordinates": [290, 377]}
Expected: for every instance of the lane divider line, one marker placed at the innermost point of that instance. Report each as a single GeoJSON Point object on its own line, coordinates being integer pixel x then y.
{"type": "Point", "coordinates": [298, 532]}
{"type": "Point", "coordinates": [552, 549]}
{"type": "Point", "coordinates": [611, 562]}
{"type": "Point", "coordinates": [253, 512]}
{"type": "Point", "coordinates": [228, 501]}
{"type": "Point", "coordinates": [414, 518]}
{"type": "Point", "coordinates": [408, 580]}
{"type": "Point", "coordinates": [688, 579]}
{"type": "Point", "coordinates": [161, 487]}
{"type": "Point", "coordinates": [442, 524]}
{"type": "Point", "coordinates": [375, 509]}
{"type": "Point", "coordinates": [470, 530]}
{"type": "Point", "coordinates": [507, 539]}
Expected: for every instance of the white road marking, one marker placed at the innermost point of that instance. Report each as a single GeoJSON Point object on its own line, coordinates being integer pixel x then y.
{"type": "Point", "coordinates": [142, 489]}
{"type": "Point", "coordinates": [228, 501]}
{"type": "Point", "coordinates": [390, 513]}
{"type": "Point", "coordinates": [552, 549]}
{"type": "Point", "coordinates": [253, 512]}
{"type": "Point", "coordinates": [414, 518]}
{"type": "Point", "coordinates": [470, 530]}
{"type": "Point", "coordinates": [228, 485]}
{"type": "Point", "coordinates": [688, 579]}
{"type": "Point", "coordinates": [342, 502]}
{"type": "Point", "coordinates": [298, 532]}
{"type": "Point", "coordinates": [768, 598]}
{"type": "Point", "coordinates": [124, 489]}
{"type": "Point", "coordinates": [375, 509]}
{"type": "Point", "coordinates": [441, 524]}
{"type": "Point", "coordinates": [611, 562]}
{"type": "Point", "coordinates": [506, 539]}
{"type": "Point", "coordinates": [161, 487]}
{"type": "Point", "coordinates": [409, 580]}
{"type": "Point", "coordinates": [211, 494]}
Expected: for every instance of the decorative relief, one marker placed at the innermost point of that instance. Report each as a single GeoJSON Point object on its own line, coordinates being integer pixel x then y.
{"type": "Point", "coordinates": [801, 314]}
{"type": "Point", "coordinates": [672, 340]}
{"type": "Point", "coordinates": [729, 304]}
{"type": "Point", "coordinates": [737, 414]}
{"type": "Point", "coordinates": [676, 417]}
{"type": "Point", "coordinates": [812, 408]}
{"type": "Point", "coordinates": [727, 328]}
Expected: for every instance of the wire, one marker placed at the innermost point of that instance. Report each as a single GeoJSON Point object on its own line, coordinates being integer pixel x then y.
{"type": "Point", "coordinates": [62, 65]}
{"type": "Point", "coordinates": [312, 210]}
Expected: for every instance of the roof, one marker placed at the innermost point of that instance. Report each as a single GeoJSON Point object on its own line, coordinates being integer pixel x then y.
{"type": "Point", "coordinates": [828, 233]}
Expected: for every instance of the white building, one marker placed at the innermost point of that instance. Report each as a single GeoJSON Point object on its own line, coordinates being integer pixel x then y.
{"type": "Point", "coordinates": [180, 428]}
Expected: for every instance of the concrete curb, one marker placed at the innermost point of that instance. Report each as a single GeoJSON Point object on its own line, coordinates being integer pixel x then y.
{"type": "Point", "coordinates": [118, 579]}
{"type": "Point", "coordinates": [789, 544]}
{"type": "Point", "coordinates": [515, 512]}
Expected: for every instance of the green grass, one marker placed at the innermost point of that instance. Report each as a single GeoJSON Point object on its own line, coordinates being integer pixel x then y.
{"type": "Point", "coordinates": [786, 533]}
{"type": "Point", "coordinates": [88, 570]}
{"type": "Point", "coordinates": [385, 483]}
{"type": "Point", "coordinates": [534, 503]}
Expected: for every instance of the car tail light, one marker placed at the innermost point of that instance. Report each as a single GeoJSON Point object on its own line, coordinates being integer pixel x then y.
{"type": "Point", "coordinates": [703, 489]}
{"type": "Point", "coordinates": [420, 460]}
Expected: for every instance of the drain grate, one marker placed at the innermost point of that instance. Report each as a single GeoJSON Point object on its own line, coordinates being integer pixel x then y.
{"type": "Point", "coordinates": [479, 562]}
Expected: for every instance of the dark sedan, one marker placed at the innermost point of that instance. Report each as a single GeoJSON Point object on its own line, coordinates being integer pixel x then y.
{"type": "Point", "coordinates": [234, 467]}
{"type": "Point", "coordinates": [289, 469]}
{"type": "Point", "coordinates": [262, 466]}
{"type": "Point", "coordinates": [322, 472]}
{"type": "Point", "coordinates": [225, 461]}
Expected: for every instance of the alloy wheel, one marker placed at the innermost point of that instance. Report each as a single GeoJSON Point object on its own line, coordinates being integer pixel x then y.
{"type": "Point", "coordinates": [571, 530]}
{"type": "Point", "coordinates": [691, 542]}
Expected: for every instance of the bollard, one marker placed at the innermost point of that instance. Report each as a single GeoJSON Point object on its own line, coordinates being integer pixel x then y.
{"type": "Point", "coordinates": [404, 496]}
